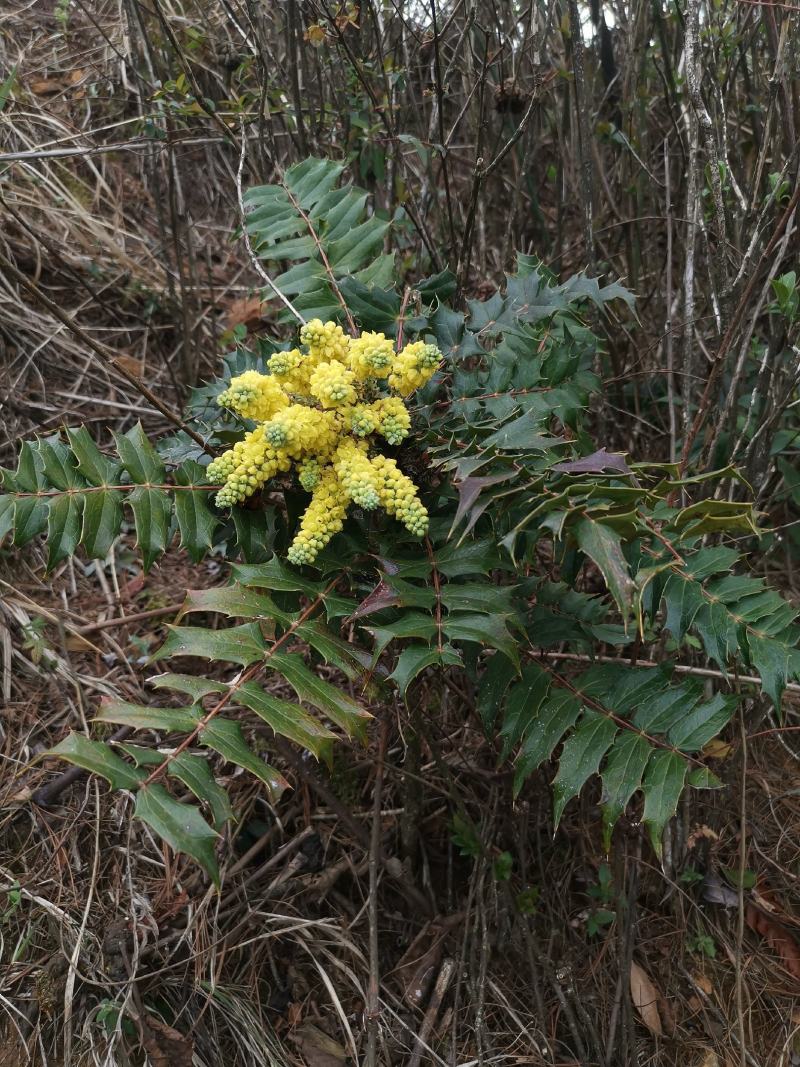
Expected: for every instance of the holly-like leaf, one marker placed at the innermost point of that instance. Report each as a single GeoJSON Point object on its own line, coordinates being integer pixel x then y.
{"type": "Point", "coordinates": [597, 463]}
{"type": "Point", "coordinates": [662, 786]}
{"type": "Point", "coordinates": [30, 518]}
{"type": "Point", "coordinates": [144, 717]}
{"type": "Point", "coordinates": [196, 521]}
{"type": "Point", "coordinates": [327, 698]}
{"type": "Point", "coordinates": [98, 758]}
{"type": "Point", "coordinates": [180, 825]}
{"type": "Point", "coordinates": [63, 527]}
{"type": "Point", "coordinates": [493, 685]}
{"type": "Point", "coordinates": [95, 467]}
{"type": "Point", "coordinates": [622, 776]}
{"type": "Point", "coordinates": [236, 602]}
{"type": "Point", "coordinates": [484, 630]}
{"type": "Point", "coordinates": [558, 714]}
{"type": "Point", "coordinates": [102, 520]}
{"type": "Point", "coordinates": [237, 644]}
{"type": "Point", "coordinates": [6, 515]}
{"type": "Point", "coordinates": [604, 547]}
{"type": "Point", "coordinates": [226, 737]}
{"type": "Point", "coordinates": [523, 701]}
{"type": "Point", "coordinates": [190, 684]}
{"type": "Point", "coordinates": [139, 458]}
{"type": "Point", "coordinates": [702, 723]}
{"type": "Point", "coordinates": [196, 775]}
{"type": "Point", "coordinates": [414, 659]}
{"type": "Point", "coordinates": [776, 662]}
{"type": "Point", "coordinates": [287, 719]}
{"type": "Point", "coordinates": [151, 514]}
{"type": "Point", "coordinates": [580, 758]}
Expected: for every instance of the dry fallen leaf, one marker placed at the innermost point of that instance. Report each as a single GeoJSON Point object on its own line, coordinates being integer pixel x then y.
{"type": "Point", "coordinates": [717, 749]}
{"type": "Point", "coordinates": [710, 1059]}
{"type": "Point", "coordinates": [773, 931]}
{"type": "Point", "coordinates": [246, 311]}
{"type": "Point", "coordinates": [315, 35]}
{"type": "Point", "coordinates": [645, 999]}
{"type": "Point", "coordinates": [132, 364]}
{"type": "Point", "coordinates": [166, 1046]}
{"type": "Point", "coordinates": [317, 1048]}
{"type": "Point", "coordinates": [48, 86]}
{"type": "Point", "coordinates": [294, 1013]}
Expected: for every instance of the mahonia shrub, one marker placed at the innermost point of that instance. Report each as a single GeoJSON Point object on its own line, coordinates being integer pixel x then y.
{"type": "Point", "coordinates": [322, 411]}
{"type": "Point", "coordinates": [477, 433]}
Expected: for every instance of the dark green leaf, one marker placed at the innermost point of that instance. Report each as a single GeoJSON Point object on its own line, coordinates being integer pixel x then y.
{"type": "Point", "coordinates": [474, 596]}
{"type": "Point", "coordinates": [96, 468]}
{"type": "Point", "coordinates": [485, 630]}
{"type": "Point", "coordinates": [151, 513]}
{"type": "Point", "coordinates": [603, 545]}
{"type": "Point", "coordinates": [683, 598]}
{"type": "Point", "coordinates": [180, 825]}
{"type": "Point", "coordinates": [523, 702]}
{"type": "Point", "coordinates": [580, 758]}
{"type": "Point", "coordinates": [349, 658]}
{"type": "Point", "coordinates": [662, 786]}
{"type": "Point", "coordinates": [327, 698]}
{"type": "Point", "coordinates": [30, 518]}
{"type": "Point", "coordinates": [196, 775]}
{"type": "Point", "coordinates": [416, 658]}
{"type": "Point", "coordinates": [622, 776]}
{"type": "Point", "coordinates": [196, 521]}
{"type": "Point", "coordinates": [234, 601]}
{"type": "Point", "coordinates": [98, 758]}
{"type": "Point", "coordinates": [63, 527]}
{"type": "Point", "coordinates": [190, 684]}
{"type": "Point", "coordinates": [57, 465]}
{"type": "Point", "coordinates": [776, 662]}
{"type": "Point", "coordinates": [237, 644]}
{"type": "Point", "coordinates": [702, 723]}
{"type": "Point", "coordinates": [557, 715]}
{"type": "Point", "coordinates": [226, 738]}
{"type": "Point", "coordinates": [139, 458]}
{"type": "Point", "coordinates": [493, 684]}
{"type": "Point", "coordinates": [255, 533]}
{"type": "Point", "coordinates": [286, 719]}
{"type": "Point", "coordinates": [6, 515]}
{"type": "Point", "coordinates": [102, 521]}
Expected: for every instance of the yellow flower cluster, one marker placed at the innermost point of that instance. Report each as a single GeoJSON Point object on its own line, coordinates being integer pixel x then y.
{"type": "Point", "coordinates": [318, 409]}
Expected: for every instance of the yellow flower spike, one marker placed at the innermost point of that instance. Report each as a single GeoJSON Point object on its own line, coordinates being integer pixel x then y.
{"type": "Point", "coordinates": [299, 429]}
{"type": "Point", "coordinates": [371, 356]}
{"type": "Point", "coordinates": [308, 473]}
{"type": "Point", "coordinates": [393, 419]}
{"type": "Point", "coordinates": [292, 369]}
{"type": "Point", "coordinates": [362, 419]}
{"type": "Point", "coordinates": [356, 474]}
{"type": "Point", "coordinates": [258, 462]}
{"type": "Point", "coordinates": [323, 517]}
{"type": "Point", "coordinates": [224, 465]}
{"type": "Point", "coordinates": [332, 385]}
{"type": "Point", "coordinates": [320, 412]}
{"type": "Point", "coordinates": [413, 367]}
{"type": "Point", "coordinates": [398, 496]}
{"type": "Point", "coordinates": [254, 396]}
{"type": "Point", "coordinates": [325, 341]}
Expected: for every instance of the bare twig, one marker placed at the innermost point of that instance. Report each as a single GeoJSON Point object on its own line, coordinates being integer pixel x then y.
{"type": "Point", "coordinates": [104, 355]}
